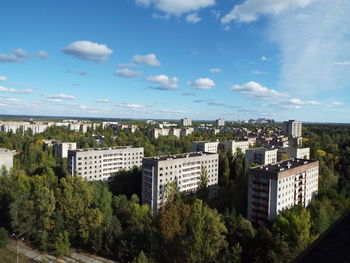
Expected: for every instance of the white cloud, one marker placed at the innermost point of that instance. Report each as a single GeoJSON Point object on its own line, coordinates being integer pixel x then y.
{"type": "Point", "coordinates": [126, 105]}
{"type": "Point", "coordinates": [165, 82]}
{"type": "Point", "coordinates": [3, 78]}
{"type": "Point", "coordinates": [337, 103]}
{"type": "Point", "coordinates": [250, 10]}
{"type": "Point", "coordinates": [126, 65]}
{"type": "Point", "coordinates": [264, 58]}
{"type": "Point", "coordinates": [102, 100]}
{"type": "Point", "coordinates": [13, 100]}
{"type": "Point", "coordinates": [17, 55]}
{"type": "Point", "coordinates": [4, 89]}
{"type": "Point", "coordinates": [193, 18]}
{"type": "Point", "coordinates": [257, 72]}
{"type": "Point", "coordinates": [88, 50]}
{"type": "Point", "coordinates": [255, 90]}
{"type": "Point", "coordinates": [342, 63]}
{"type": "Point", "coordinates": [300, 102]}
{"type": "Point", "coordinates": [215, 70]}
{"type": "Point", "coordinates": [61, 96]}
{"type": "Point", "coordinates": [149, 60]}
{"type": "Point", "coordinates": [54, 100]}
{"type": "Point", "coordinates": [127, 73]}
{"type": "Point", "coordinates": [176, 7]}
{"type": "Point", "coordinates": [43, 54]}
{"type": "Point", "coordinates": [202, 83]}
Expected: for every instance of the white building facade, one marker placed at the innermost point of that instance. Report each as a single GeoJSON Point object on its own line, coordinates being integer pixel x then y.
{"type": "Point", "coordinates": [292, 128]}
{"type": "Point", "coordinates": [6, 158]}
{"type": "Point", "coordinates": [186, 122]}
{"type": "Point", "coordinates": [202, 146]}
{"type": "Point", "coordinates": [260, 156]}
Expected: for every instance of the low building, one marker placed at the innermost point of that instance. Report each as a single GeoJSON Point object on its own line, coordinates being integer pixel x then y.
{"type": "Point", "coordinates": [273, 188]}
{"type": "Point", "coordinates": [293, 152]}
{"type": "Point", "coordinates": [183, 169]}
{"type": "Point", "coordinates": [6, 158]}
{"type": "Point", "coordinates": [260, 156]}
{"type": "Point", "coordinates": [103, 163]}
{"type": "Point", "coordinates": [203, 146]}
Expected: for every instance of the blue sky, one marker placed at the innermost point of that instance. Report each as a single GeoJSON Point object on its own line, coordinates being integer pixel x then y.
{"type": "Point", "coordinates": [202, 59]}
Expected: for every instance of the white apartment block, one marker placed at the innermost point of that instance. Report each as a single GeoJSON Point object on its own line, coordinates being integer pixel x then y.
{"type": "Point", "coordinates": [155, 133]}
{"type": "Point", "coordinates": [24, 126]}
{"type": "Point", "coordinates": [220, 122]}
{"type": "Point", "coordinates": [260, 156]}
{"type": "Point", "coordinates": [184, 169]}
{"type": "Point", "coordinates": [186, 122]}
{"type": "Point", "coordinates": [103, 163]}
{"type": "Point", "coordinates": [6, 158]}
{"type": "Point", "coordinates": [203, 146]}
{"type": "Point", "coordinates": [292, 128]}
{"type": "Point", "coordinates": [235, 145]}
{"type": "Point", "coordinates": [273, 188]}
{"type": "Point", "coordinates": [61, 148]}
{"type": "Point", "coordinates": [294, 152]}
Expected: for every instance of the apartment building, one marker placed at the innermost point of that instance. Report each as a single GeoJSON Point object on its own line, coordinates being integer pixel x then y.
{"type": "Point", "coordinates": [294, 152]}
{"type": "Point", "coordinates": [6, 158]}
{"type": "Point", "coordinates": [24, 126]}
{"type": "Point", "coordinates": [273, 188]}
{"type": "Point", "coordinates": [203, 146]}
{"type": "Point", "coordinates": [220, 122]}
{"type": "Point", "coordinates": [61, 148]}
{"type": "Point", "coordinates": [235, 145]}
{"type": "Point", "coordinates": [260, 156]}
{"type": "Point", "coordinates": [184, 169]}
{"type": "Point", "coordinates": [155, 133]}
{"type": "Point", "coordinates": [292, 128]}
{"type": "Point", "coordinates": [186, 122]}
{"type": "Point", "coordinates": [103, 163]}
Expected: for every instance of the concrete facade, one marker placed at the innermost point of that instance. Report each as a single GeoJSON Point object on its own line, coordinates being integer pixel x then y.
{"type": "Point", "coordinates": [234, 145]}
{"type": "Point", "coordinates": [61, 148]}
{"type": "Point", "coordinates": [292, 128]}
{"type": "Point", "coordinates": [220, 122]}
{"type": "Point", "coordinates": [186, 122]}
{"type": "Point", "coordinates": [202, 146]}
{"type": "Point", "coordinates": [184, 169]}
{"type": "Point", "coordinates": [6, 158]}
{"type": "Point", "coordinates": [294, 152]}
{"type": "Point", "coordinates": [273, 188]}
{"type": "Point", "coordinates": [103, 163]}
{"type": "Point", "coordinates": [260, 156]}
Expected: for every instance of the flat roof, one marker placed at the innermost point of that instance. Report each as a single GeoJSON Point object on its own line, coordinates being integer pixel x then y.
{"type": "Point", "coordinates": [105, 148]}
{"type": "Point", "coordinates": [178, 156]}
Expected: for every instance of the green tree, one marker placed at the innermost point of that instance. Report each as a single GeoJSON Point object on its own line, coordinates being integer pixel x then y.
{"type": "Point", "coordinates": [62, 244]}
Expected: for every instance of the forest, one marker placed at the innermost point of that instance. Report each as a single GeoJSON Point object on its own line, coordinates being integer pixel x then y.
{"type": "Point", "coordinates": [56, 212]}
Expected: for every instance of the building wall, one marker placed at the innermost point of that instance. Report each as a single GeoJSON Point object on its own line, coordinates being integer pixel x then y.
{"type": "Point", "coordinates": [260, 156]}
{"type": "Point", "coordinates": [6, 158]}
{"type": "Point", "coordinates": [61, 148]}
{"type": "Point", "coordinates": [210, 147]}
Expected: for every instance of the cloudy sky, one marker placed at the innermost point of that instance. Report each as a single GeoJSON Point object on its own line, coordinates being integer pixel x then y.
{"type": "Point", "coordinates": [202, 59]}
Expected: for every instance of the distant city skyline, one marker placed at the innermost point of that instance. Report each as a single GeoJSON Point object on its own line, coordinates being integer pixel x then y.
{"type": "Point", "coordinates": [171, 59]}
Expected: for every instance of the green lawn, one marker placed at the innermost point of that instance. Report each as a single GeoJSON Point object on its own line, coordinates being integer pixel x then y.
{"type": "Point", "coordinates": [8, 256]}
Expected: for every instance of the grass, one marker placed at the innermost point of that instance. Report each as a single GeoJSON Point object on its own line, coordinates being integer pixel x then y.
{"type": "Point", "coordinates": [9, 256]}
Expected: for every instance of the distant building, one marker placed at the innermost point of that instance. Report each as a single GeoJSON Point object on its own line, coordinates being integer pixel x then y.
{"type": "Point", "coordinates": [155, 133]}
{"type": "Point", "coordinates": [99, 139]}
{"type": "Point", "coordinates": [235, 145]}
{"type": "Point", "coordinates": [264, 120]}
{"type": "Point", "coordinates": [183, 169]}
{"type": "Point", "coordinates": [186, 122]}
{"type": "Point", "coordinates": [293, 152]}
{"type": "Point", "coordinates": [260, 156]}
{"type": "Point", "coordinates": [273, 188]}
{"type": "Point", "coordinates": [24, 126]}
{"type": "Point", "coordinates": [292, 128]}
{"type": "Point", "coordinates": [203, 146]}
{"type": "Point", "coordinates": [220, 122]}
{"type": "Point", "coordinates": [6, 158]}
{"type": "Point", "coordinates": [103, 163]}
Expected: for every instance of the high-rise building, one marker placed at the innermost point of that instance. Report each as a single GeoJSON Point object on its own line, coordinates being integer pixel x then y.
{"type": "Point", "coordinates": [6, 158]}
{"type": "Point", "coordinates": [273, 188]}
{"type": "Point", "coordinates": [294, 152]}
{"type": "Point", "coordinates": [292, 128]}
{"type": "Point", "coordinates": [203, 146]}
{"type": "Point", "coordinates": [186, 122]}
{"type": "Point", "coordinates": [183, 169]}
{"type": "Point", "coordinates": [260, 156]}
{"type": "Point", "coordinates": [61, 148]}
{"type": "Point", "coordinates": [220, 122]}
{"type": "Point", "coordinates": [103, 163]}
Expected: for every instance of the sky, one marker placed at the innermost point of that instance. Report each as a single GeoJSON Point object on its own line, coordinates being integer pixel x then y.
{"type": "Point", "coordinates": [170, 59]}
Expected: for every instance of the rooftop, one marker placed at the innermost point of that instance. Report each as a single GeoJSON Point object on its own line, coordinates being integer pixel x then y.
{"type": "Point", "coordinates": [178, 156]}
{"type": "Point", "coordinates": [104, 148]}
{"type": "Point", "coordinates": [283, 166]}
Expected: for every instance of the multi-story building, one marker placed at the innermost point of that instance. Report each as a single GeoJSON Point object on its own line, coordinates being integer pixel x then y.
{"type": "Point", "coordinates": [273, 188]}
{"type": "Point", "coordinates": [6, 158]}
{"type": "Point", "coordinates": [203, 146]}
{"type": "Point", "coordinates": [186, 122]}
{"type": "Point", "coordinates": [220, 122]}
{"type": "Point", "coordinates": [260, 156]}
{"type": "Point", "coordinates": [61, 148]}
{"type": "Point", "coordinates": [184, 169]}
{"type": "Point", "coordinates": [24, 126]}
{"type": "Point", "coordinates": [103, 163]}
{"type": "Point", "coordinates": [293, 152]}
{"type": "Point", "coordinates": [235, 145]}
{"type": "Point", "coordinates": [155, 133]}
{"type": "Point", "coordinates": [292, 128]}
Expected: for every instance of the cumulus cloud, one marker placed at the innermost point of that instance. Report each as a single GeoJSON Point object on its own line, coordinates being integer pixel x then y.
{"type": "Point", "coordinates": [176, 7]}
{"type": "Point", "coordinates": [43, 54]}
{"type": "Point", "coordinates": [132, 106]}
{"type": "Point", "coordinates": [202, 83]}
{"type": "Point", "coordinates": [17, 55]}
{"type": "Point", "coordinates": [215, 70]}
{"type": "Point", "coordinates": [193, 18]}
{"type": "Point", "coordinates": [11, 90]}
{"type": "Point", "coordinates": [3, 78]}
{"type": "Point", "coordinates": [61, 96]}
{"type": "Point", "coordinates": [264, 58]}
{"type": "Point", "coordinates": [250, 10]}
{"type": "Point", "coordinates": [149, 60]}
{"type": "Point", "coordinates": [127, 73]}
{"type": "Point", "coordinates": [255, 90]}
{"type": "Point", "coordinates": [88, 50]}
{"type": "Point", "coordinates": [102, 100]}
{"type": "Point", "coordinates": [165, 83]}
